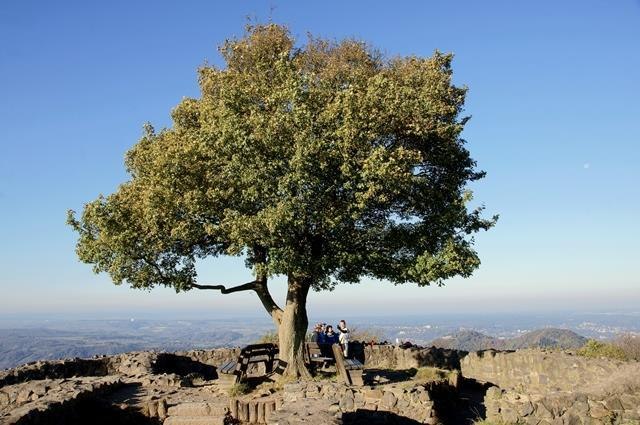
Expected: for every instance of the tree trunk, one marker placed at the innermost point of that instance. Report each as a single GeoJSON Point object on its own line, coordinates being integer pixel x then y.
{"type": "Point", "coordinates": [293, 329]}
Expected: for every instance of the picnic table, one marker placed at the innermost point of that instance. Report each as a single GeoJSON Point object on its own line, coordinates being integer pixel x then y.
{"type": "Point", "coordinates": [350, 370]}
{"type": "Point", "coordinates": [317, 354]}
{"type": "Point", "coordinates": [233, 371]}
{"type": "Point", "coordinates": [237, 369]}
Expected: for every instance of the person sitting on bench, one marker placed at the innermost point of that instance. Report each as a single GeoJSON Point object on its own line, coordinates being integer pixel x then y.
{"type": "Point", "coordinates": [330, 337]}
{"type": "Point", "coordinates": [317, 335]}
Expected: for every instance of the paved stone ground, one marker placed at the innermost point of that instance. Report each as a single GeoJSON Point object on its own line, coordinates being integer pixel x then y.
{"type": "Point", "coordinates": [153, 399]}
{"type": "Point", "coordinates": [307, 412]}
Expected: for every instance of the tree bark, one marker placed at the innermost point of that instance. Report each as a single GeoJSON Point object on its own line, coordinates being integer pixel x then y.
{"type": "Point", "coordinates": [293, 329]}
{"type": "Point", "coordinates": [268, 303]}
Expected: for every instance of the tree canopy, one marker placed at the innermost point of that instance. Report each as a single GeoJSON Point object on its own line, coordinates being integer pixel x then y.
{"type": "Point", "coordinates": [325, 162]}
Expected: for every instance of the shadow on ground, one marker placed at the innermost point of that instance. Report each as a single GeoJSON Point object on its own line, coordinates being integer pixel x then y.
{"type": "Point", "coordinates": [387, 376]}
{"type": "Point", "coordinates": [183, 365]}
{"type": "Point", "coordinates": [372, 417]}
{"type": "Point", "coordinates": [464, 407]}
{"type": "Point", "coordinates": [92, 411]}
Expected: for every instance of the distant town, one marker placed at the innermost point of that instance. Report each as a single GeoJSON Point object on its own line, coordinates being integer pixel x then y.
{"type": "Point", "coordinates": [26, 340]}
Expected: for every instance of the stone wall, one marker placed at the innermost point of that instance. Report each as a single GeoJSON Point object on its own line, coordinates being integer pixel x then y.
{"type": "Point", "coordinates": [544, 387]}
{"type": "Point", "coordinates": [562, 407]}
{"type": "Point", "coordinates": [539, 370]}
{"type": "Point", "coordinates": [48, 401]}
{"type": "Point", "coordinates": [57, 369]}
{"type": "Point", "coordinates": [213, 357]}
{"type": "Point", "coordinates": [385, 356]}
{"type": "Point", "coordinates": [148, 362]}
{"type": "Point", "coordinates": [415, 402]}
{"type": "Point", "coordinates": [127, 364]}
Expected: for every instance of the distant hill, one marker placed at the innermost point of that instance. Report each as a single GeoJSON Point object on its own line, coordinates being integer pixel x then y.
{"type": "Point", "coordinates": [541, 338]}
{"type": "Point", "coordinates": [547, 338]}
{"type": "Point", "coordinates": [468, 341]}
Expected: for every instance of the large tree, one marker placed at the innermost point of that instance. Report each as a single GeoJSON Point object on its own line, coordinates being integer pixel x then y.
{"type": "Point", "coordinates": [324, 163]}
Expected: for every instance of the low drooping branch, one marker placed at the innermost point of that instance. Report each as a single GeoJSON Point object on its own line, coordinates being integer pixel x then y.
{"type": "Point", "coordinates": [261, 289]}
{"type": "Point", "coordinates": [224, 290]}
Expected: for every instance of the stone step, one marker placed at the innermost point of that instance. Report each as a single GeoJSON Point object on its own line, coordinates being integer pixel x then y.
{"type": "Point", "coordinates": [193, 409]}
{"type": "Point", "coordinates": [194, 420]}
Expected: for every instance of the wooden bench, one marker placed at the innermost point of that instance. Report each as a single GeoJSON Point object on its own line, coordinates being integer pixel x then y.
{"type": "Point", "coordinates": [236, 370]}
{"type": "Point", "coordinates": [318, 354]}
{"type": "Point", "coordinates": [349, 369]}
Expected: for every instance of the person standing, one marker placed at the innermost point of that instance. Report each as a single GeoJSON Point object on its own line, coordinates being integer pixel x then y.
{"type": "Point", "coordinates": [343, 337]}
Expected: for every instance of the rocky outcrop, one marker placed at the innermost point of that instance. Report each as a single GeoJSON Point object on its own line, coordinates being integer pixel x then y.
{"type": "Point", "coordinates": [414, 402]}
{"type": "Point", "coordinates": [562, 407]}
{"type": "Point", "coordinates": [534, 386]}
{"type": "Point", "coordinates": [48, 400]}
{"type": "Point", "coordinates": [385, 356]}
{"type": "Point", "coordinates": [527, 386]}
{"type": "Point", "coordinates": [139, 387]}
{"type": "Point", "coordinates": [539, 370]}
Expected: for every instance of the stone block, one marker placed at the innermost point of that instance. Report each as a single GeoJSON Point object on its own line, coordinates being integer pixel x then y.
{"type": "Point", "coordinates": [423, 396]}
{"type": "Point", "coordinates": [347, 403]}
{"type": "Point", "coordinates": [509, 415]}
{"type": "Point", "coordinates": [162, 409]}
{"type": "Point", "coordinates": [494, 393]}
{"type": "Point", "coordinates": [294, 388]}
{"type": "Point", "coordinates": [371, 406]}
{"type": "Point", "coordinates": [358, 398]}
{"type": "Point", "coordinates": [197, 409]}
{"type": "Point", "coordinates": [197, 420]}
{"type": "Point", "coordinates": [24, 396]}
{"type": "Point", "coordinates": [630, 402]}
{"type": "Point", "coordinates": [571, 419]}
{"type": "Point", "coordinates": [525, 409]}
{"type": "Point", "coordinates": [388, 400]}
{"type": "Point", "coordinates": [631, 416]}
{"type": "Point", "coordinates": [597, 410]}
{"type": "Point", "coordinates": [613, 403]}
{"type": "Point", "coordinates": [581, 408]}
{"type": "Point", "coordinates": [402, 405]}
{"type": "Point", "coordinates": [372, 395]}
{"type": "Point", "coordinates": [152, 407]}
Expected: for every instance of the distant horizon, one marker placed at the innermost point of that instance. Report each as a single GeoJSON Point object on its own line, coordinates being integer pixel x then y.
{"type": "Point", "coordinates": [398, 317]}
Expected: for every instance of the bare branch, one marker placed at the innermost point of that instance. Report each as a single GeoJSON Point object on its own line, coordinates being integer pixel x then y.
{"type": "Point", "coordinates": [224, 290]}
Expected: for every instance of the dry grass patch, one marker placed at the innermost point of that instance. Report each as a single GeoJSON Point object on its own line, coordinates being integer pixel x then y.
{"type": "Point", "coordinates": [597, 349]}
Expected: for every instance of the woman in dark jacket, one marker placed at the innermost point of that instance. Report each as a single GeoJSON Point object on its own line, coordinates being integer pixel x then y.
{"type": "Point", "coordinates": [330, 337]}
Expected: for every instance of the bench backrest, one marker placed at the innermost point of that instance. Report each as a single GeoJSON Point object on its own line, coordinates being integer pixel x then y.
{"type": "Point", "coordinates": [313, 349]}
{"type": "Point", "coordinates": [256, 353]}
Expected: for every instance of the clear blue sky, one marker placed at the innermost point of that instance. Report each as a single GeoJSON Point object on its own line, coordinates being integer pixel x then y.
{"type": "Point", "coordinates": [554, 95]}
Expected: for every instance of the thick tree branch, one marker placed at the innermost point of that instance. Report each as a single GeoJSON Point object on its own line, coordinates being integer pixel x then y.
{"type": "Point", "coordinates": [261, 289]}
{"type": "Point", "coordinates": [267, 300]}
{"type": "Point", "coordinates": [224, 290]}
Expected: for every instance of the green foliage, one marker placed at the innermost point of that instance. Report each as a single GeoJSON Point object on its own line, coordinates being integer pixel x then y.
{"type": "Point", "coordinates": [597, 349]}
{"type": "Point", "coordinates": [325, 161]}
{"type": "Point", "coordinates": [238, 389]}
{"type": "Point", "coordinates": [269, 338]}
{"type": "Point", "coordinates": [325, 377]}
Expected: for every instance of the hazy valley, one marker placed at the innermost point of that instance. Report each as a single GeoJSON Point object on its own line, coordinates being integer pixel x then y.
{"type": "Point", "coordinates": [23, 341]}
